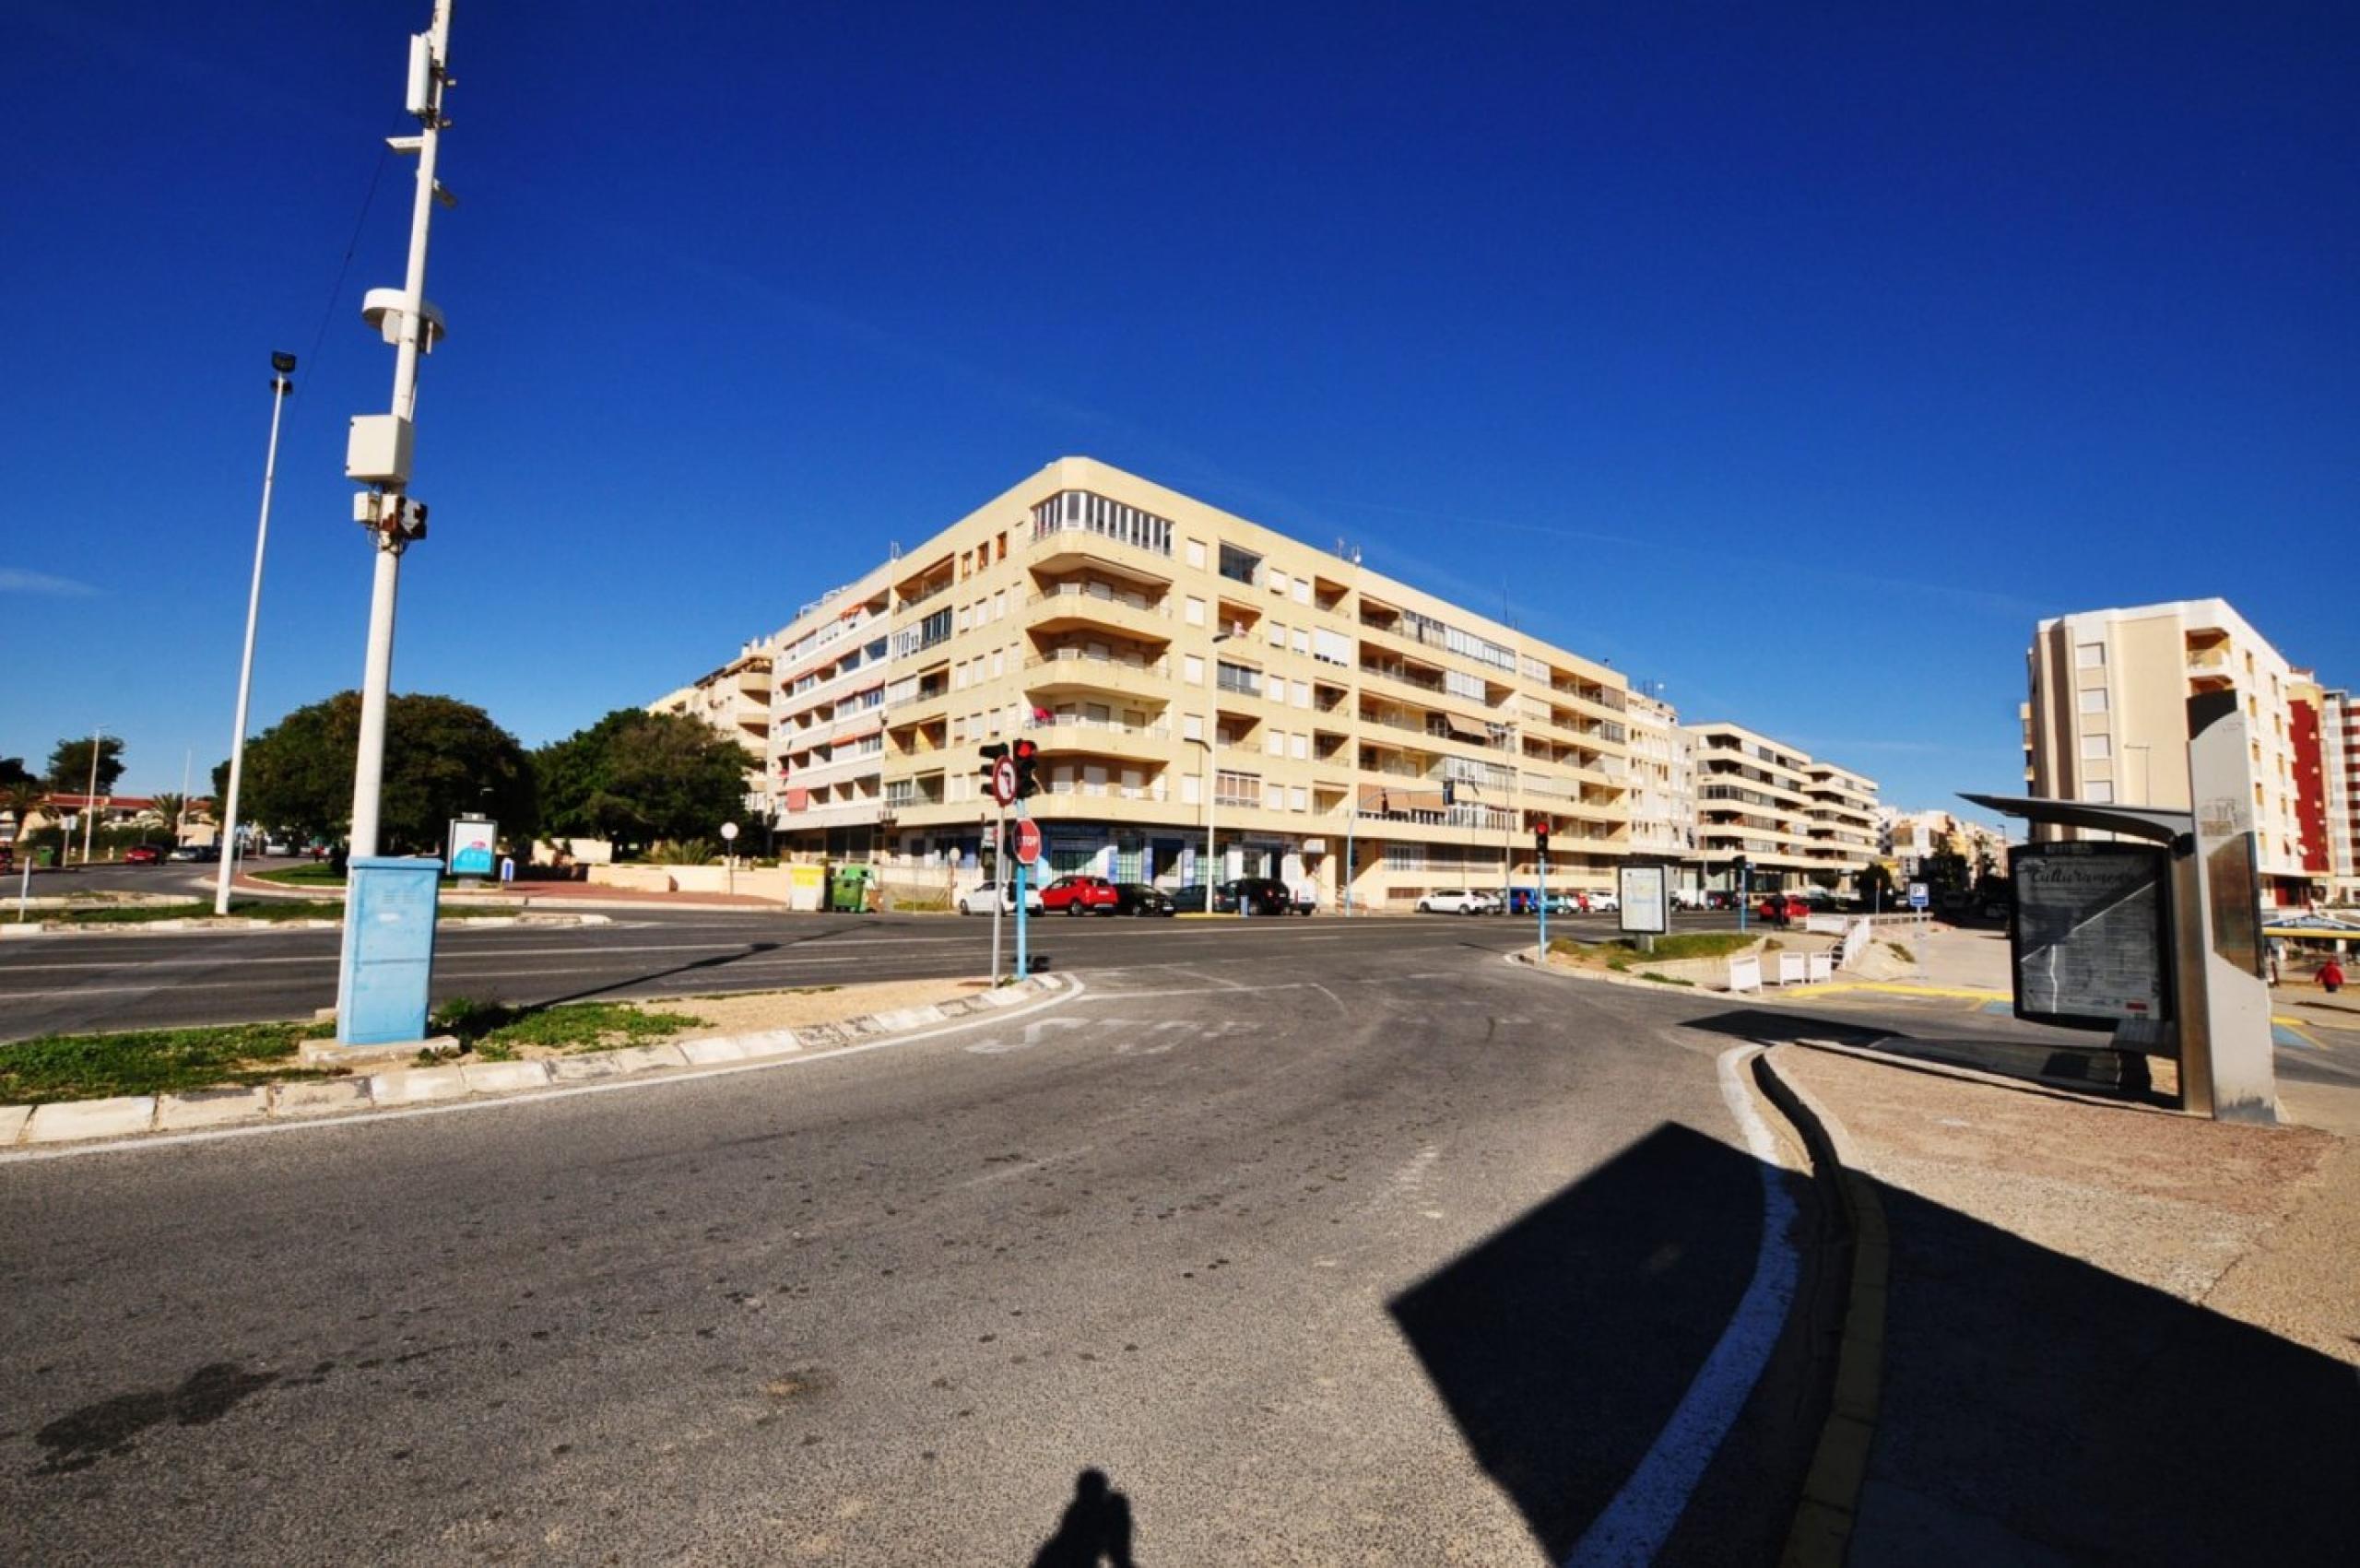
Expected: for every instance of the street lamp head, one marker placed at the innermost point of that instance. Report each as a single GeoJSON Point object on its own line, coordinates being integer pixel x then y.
{"type": "Point", "coordinates": [283, 363]}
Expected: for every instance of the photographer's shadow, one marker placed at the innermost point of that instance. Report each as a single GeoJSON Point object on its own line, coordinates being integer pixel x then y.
{"type": "Point", "coordinates": [1096, 1528]}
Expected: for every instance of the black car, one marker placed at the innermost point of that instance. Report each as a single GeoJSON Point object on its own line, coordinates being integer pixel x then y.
{"type": "Point", "coordinates": [1261, 895]}
{"type": "Point", "coordinates": [1137, 898]}
{"type": "Point", "coordinates": [1190, 900]}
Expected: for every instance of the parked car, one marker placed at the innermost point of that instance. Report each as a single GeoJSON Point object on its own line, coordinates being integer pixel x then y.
{"type": "Point", "coordinates": [181, 852]}
{"type": "Point", "coordinates": [1190, 900]}
{"type": "Point", "coordinates": [1604, 904]}
{"type": "Point", "coordinates": [1080, 895]}
{"type": "Point", "coordinates": [978, 900]}
{"type": "Point", "coordinates": [143, 854]}
{"type": "Point", "coordinates": [1459, 901]}
{"type": "Point", "coordinates": [1261, 895]}
{"type": "Point", "coordinates": [1783, 909]}
{"type": "Point", "coordinates": [1137, 898]}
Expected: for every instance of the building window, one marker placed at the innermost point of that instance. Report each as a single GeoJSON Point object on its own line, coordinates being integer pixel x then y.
{"type": "Point", "coordinates": [1238, 677]}
{"type": "Point", "coordinates": [1195, 611]}
{"type": "Point", "coordinates": [2096, 747]}
{"type": "Point", "coordinates": [1192, 669]}
{"type": "Point", "coordinates": [2089, 656]}
{"type": "Point", "coordinates": [2098, 792]}
{"type": "Point", "coordinates": [1192, 726]}
{"type": "Point", "coordinates": [1197, 554]}
{"type": "Point", "coordinates": [1239, 566]}
{"type": "Point", "coordinates": [2093, 700]}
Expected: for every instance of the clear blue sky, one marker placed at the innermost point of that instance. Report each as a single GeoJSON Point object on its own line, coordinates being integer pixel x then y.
{"type": "Point", "coordinates": [1796, 360]}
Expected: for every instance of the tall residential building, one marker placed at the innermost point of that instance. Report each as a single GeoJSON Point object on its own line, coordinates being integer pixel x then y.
{"type": "Point", "coordinates": [735, 700]}
{"type": "Point", "coordinates": [2107, 719]}
{"type": "Point", "coordinates": [1663, 781]}
{"type": "Point", "coordinates": [1795, 819]}
{"type": "Point", "coordinates": [2339, 792]}
{"type": "Point", "coordinates": [1184, 670]}
{"type": "Point", "coordinates": [824, 781]}
{"type": "Point", "coordinates": [1911, 837]}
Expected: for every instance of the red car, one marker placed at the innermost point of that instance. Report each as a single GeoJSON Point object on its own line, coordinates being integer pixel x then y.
{"type": "Point", "coordinates": [1783, 910]}
{"type": "Point", "coordinates": [1081, 895]}
{"type": "Point", "coordinates": [143, 855]}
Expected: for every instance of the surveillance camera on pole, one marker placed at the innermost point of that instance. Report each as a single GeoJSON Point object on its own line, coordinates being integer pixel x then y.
{"type": "Point", "coordinates": [378, 455]}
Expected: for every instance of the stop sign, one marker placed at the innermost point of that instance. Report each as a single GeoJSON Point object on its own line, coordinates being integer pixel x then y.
{"type": "Point", "coordinates": [1028, 841]}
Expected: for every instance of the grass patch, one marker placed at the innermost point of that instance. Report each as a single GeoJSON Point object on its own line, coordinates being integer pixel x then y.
{"type": "Point", "coordinates": [314, 873]}
{"type": "Point", "coordinates": [1904, 954]}
{"type": "Point", "coordinates": [153, 1061]}
{"type": "Point", "coordinates": [496, 1032]}
{"type": "Point", "coordinates": [1623, 953]}
{"type": "Point", "coordinates": [1664, 979]}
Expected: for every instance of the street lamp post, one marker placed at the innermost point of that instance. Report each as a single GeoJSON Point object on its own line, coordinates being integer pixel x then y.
{"type": "Point", "coordinates": [282, 367]}
{"type": "Point", "coordinates": [1207, 742]}
{"type": "Point", "coordinates": [90, 800]}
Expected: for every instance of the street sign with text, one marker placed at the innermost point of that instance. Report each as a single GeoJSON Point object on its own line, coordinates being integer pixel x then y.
{"type": "Point", "coordinates": [1028, 841]}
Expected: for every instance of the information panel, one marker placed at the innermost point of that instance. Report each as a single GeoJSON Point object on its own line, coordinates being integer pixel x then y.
{"type": "Point", "coordinates": [1643, 894]}
{"type": "Point", "coordinates": [473, 846]}
{"type": "Point", "coordinates": [2090, 944]}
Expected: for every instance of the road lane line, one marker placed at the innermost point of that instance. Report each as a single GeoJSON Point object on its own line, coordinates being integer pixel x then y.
{"type": "Point", "coordinates": [1072, 990]}
{"type": "Point", "coordinates": [1635, 1525]}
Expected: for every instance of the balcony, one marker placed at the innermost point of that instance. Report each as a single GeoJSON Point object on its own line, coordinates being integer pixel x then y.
{"type": "Point", "coordinates": [1070, 547]}
{"type": "Point", "coordinates": [1064, 607]}
{"type": "Point", "coordinates": [1102, 737]}
{"type": "Point", "coordinates": [1076, 670]}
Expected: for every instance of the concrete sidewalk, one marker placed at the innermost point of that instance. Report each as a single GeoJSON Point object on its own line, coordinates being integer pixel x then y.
{"type": "Point", "coordinates": [2106, 1332]}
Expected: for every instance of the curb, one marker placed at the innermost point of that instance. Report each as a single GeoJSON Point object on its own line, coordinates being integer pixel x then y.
{"type": "Point", "coordinates": [216, 925]}
{"type": "Point", "coordinates": [63, 1121]}
{"type": "Point", "coordinates": [1820, 1533]}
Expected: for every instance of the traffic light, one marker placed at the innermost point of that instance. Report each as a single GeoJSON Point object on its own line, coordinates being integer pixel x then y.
{"type": "Point", "coordinates": [1738, 869]}
{"type": "Point", "coordinates": [1027, 758]}
{"type": "Point", "coordinates": [992, 754]}
{"type": "Point", "coordinates": [1540, 834]}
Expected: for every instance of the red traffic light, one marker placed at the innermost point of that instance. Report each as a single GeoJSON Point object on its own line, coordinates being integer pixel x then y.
{"type": "Point", "coordinates": [1025, 750]}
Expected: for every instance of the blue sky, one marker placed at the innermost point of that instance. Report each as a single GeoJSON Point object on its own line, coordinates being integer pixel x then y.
{"type": "Point", "coordinates": [1796, 360]}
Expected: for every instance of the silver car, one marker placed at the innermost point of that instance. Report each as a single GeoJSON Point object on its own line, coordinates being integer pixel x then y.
{"type": "Point", "coordinates": [1462, 900]}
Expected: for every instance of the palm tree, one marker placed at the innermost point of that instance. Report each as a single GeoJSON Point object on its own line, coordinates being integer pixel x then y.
{"type": "Point", "coordinates": [171, 808]}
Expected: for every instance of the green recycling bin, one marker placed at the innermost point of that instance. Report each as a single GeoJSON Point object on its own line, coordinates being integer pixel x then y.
{"type": "Point", "coordinates": [848, 888]}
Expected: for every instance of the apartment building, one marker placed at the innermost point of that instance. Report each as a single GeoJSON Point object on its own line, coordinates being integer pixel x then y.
{"type": "Point", "coordinates": [824, 784]}
{"type": "Point", "coordinates": [1909, 838]}
{"type": "Point", "coordinates": [2107, 719]}
{"type": "Point", "coordinates": [1797, 820]}
{"type": "Point", "coordinates": [1663, 786]}
{"type": "Point", "coordinates": [1186, 672]}
{"type": "Point", "coordinates": [2339, 792]}
{"type": "Point", "coordinates": [735, 700]}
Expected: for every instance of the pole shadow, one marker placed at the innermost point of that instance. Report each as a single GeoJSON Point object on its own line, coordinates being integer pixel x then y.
{"type": "Point", "coordinates": [1095, 1529]}
{"type": "Point", "coordinates": [2034, 1407]}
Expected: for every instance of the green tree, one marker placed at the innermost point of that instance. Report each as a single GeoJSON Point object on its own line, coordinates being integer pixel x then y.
{"type": "Point", "coordinates": [13, 771]}
{"type": "Point", "coordinates": [171, 808]}
{"type": "Point", "coordinates": [1874, 884]}
{"type": "Point", "coordinates": [635, 777]}
{"type": "Point", "coordinates": [69, 765]}
{"type": "Point", "coordinates": [443, 758]}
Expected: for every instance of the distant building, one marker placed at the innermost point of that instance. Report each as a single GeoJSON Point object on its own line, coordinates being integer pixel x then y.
{"type": "Point", "coordinates": [2339, 792]}
{"type": "Point", "coordinates": [1663, 783]}
{"type": "Point", "coordinates": [1797, 820]}
{"type": "Point", "coordinates": [2105, 720]}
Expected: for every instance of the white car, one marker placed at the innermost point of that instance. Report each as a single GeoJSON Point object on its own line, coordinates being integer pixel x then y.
{"type": "Point", "coordinates": [1604, 904]}
{"type": "Point", "coordinates": [978, 900]}
{"type": "Point", "coordinates": [1464, 900]}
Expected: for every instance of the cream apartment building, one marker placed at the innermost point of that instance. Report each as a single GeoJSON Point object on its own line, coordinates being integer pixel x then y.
{"type": "Point", "coordinates": [1185, 670]}
{"type": "Point", "coordinates": [2339, 777]}
{"type": "Point", "coordinates": [823, 784]}
{"type": "Point", "coordinates": [1797, 820]}
{"type": "Point", "coordinates": [1663, 787]}
{"type": "Point", "coordinates": [2105, 720]}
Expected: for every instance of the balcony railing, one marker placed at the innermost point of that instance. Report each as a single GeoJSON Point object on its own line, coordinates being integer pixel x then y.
{"type": "Point", "coordinates": [1077, 728]}
{"type": "Point", "coordinates": [1065, 593]}
{"type": "Point", "coordinates": [1108, 790]}
{"type": "Point", "coordinates": [1069, 656]}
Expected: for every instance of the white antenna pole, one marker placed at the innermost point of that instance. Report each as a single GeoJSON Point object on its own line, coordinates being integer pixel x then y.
{"type": "Point", "coordinates": [280, 387]}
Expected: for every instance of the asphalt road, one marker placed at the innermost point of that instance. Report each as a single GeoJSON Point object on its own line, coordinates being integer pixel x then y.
{"type": "Point", "coordinates": [79, 982]}
{"type": "Point", "coordinates": [1325, 1243]}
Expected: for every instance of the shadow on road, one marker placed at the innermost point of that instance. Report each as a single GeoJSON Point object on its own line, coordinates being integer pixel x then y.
{"type": "Point", "coordinates": [1096, 1528]}
{"type": "Point", "coordinates": [2078, 1061]}
{"type": "Point", "coordinates": [2028, 1397]}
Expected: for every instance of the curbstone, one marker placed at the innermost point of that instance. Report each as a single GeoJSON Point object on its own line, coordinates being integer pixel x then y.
{"type": "Point", "coordinates": [324, 1098]}
{"type": "Point", "coordinates": [613, 1064]}
{"type": "Point", "coordinates": [12, 1122]}
{"type": "Point", "coordinates": [417, 1085]}
{"type": "Point", "coordinates": [822, 1036]}
{"type": "Point", "coordinates": [210, 1107]}
{"type": "Point", "coordinates": [504, 1077]}
{"type": "Point", "coordinates": [64, 1120]}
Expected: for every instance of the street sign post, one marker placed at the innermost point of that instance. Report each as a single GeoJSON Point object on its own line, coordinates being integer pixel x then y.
{"type": "Point", "coordinates": [1028, 852]}
{"type": "Point", "coordinates": [1919, 897]}
{"type": "Point", "coordinates": [1004, 780]}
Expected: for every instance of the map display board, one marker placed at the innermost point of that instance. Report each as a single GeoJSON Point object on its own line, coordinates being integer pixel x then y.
{"type": "Point", "coordinates": [2091, 945]}
{"type": "Point", "coordinates": [1642, 898]}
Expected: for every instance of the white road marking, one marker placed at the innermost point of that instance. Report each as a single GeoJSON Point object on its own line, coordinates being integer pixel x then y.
{"type": "Point", "coordinates": [1634, 1525]}
{"type": "Point", "coordinates": [996, 1046]}
{"type": "Point", "coordinates": [1073, 991]}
